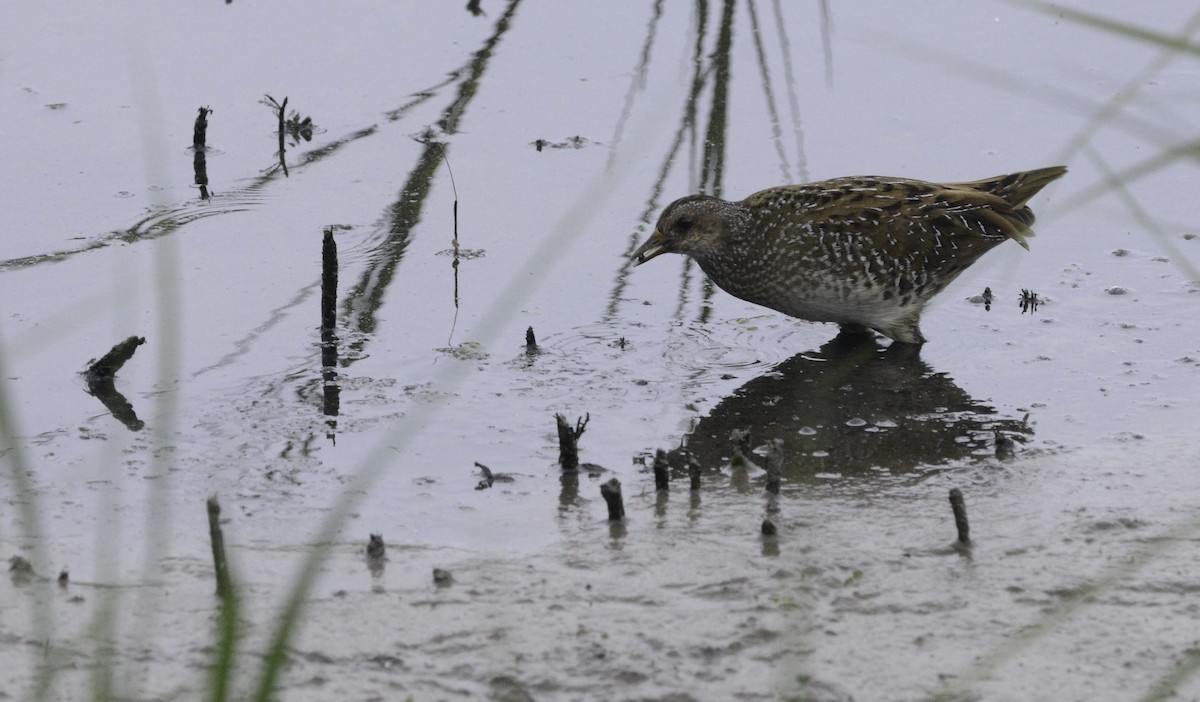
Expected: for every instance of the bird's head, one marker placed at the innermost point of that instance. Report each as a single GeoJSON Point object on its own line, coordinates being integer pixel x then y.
{"type": "Point", "coordinates": [696, 226]}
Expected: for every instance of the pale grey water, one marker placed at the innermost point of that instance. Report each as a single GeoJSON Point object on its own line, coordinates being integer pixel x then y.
{"type": "Point", "coordinates": [1082, 579]}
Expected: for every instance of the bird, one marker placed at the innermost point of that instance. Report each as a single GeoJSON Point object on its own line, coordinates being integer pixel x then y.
{"type": "Point", "coordinates": [865, 252]}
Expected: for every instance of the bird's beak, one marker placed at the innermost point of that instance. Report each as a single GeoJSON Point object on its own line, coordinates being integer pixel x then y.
{"type": "Point", "coordinates": [655, 245]}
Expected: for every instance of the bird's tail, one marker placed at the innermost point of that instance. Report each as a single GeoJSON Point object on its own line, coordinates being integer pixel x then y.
{"type": "Point", "coordinates": [1017, 188]}
{"type": "Point", "coordinates": [1008, 194]}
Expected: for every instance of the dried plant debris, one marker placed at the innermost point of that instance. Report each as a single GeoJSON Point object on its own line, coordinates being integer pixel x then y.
{"type": "Point", "coordinates": [489, 477]}
{"type": "Point", "coordinates": [1029, 301]}
{"type": "Point", "coordinates": [574, 142]}
{"type": "Point", "coordinates": [296, 126]}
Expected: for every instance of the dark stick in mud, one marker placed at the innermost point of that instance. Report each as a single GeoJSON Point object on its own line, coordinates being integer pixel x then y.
{"type": "Point", "coordinates": [531, 347]}
{"type": "Point", "coordinates": [662, 472]}
{"type": "Point", "coordinates": [568, 441]}
{"type": "Point", "coordinates": [959, 507]}
{"type": "Point", "coordinates": [611, 492]}
{"type": "Point", "coordinates": [218, 547]}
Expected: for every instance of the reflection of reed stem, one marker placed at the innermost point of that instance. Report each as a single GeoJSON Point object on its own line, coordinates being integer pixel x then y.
{"type": "Point", "coordinates": [365, 298]}
{"type": "Point", "coordinates": [772, 109]}
{"type": "Point", "coordinates": [713, 168]}
{"type": "Point", "coordinates": [1118, 186]}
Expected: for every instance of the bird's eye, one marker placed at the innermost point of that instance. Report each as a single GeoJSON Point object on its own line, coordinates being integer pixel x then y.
{"type": "Point", "coordinates": [684, 225]}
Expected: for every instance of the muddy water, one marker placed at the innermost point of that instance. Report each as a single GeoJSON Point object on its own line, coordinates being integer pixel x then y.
{"type": "Point", "coordinates": [566, 130]}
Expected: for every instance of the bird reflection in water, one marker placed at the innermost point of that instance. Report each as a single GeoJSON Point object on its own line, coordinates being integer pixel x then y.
{"type": "Point", "coordinates": [852, 408]}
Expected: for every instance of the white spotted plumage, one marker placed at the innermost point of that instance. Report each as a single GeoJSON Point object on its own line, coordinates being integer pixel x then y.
{"type": "Point", "coordinates": [864, 252]}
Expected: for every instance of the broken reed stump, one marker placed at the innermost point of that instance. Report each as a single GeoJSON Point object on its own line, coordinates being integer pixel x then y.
{"type": "Point", "coordinates": [662, 471]}
{"type": "Point", "coordinates": [280, 110]}
{"type": "Point", "coordinates": [531, 347]}
{"type": "Point", "coordinates": [1004, 445]}
{"type": "Point", "coordinates": [200, 128]}
{"type": "Point", "coordinates": [200, 172]}
{"type": "Point", "coordinates": [693, 471]}
{"type": "Point", "coordinates": [331, 401]}
{"type": "Point", "coordinates": [774, 466]}
{"type": "Point", "coordinates": [611, 492]}
{"type": "Point", "coordinates": [100, 377]}
{"type": "Point", "coordinates": [199, 160]}
{"type": "Point", "coordinates": [376, 549]}
{"type": "Point", "coordinates": [220, 565]}
{"type": "Point", "coordinates": [282, 131]}
{"type": "Point", "coordinates": [329, 283]}
{"type": "Point", "coordinates": [959, 507]}
{"type": "Point", "coordinates": [740, 438]}
{"type": "Point", "coordinates": [568, 441]}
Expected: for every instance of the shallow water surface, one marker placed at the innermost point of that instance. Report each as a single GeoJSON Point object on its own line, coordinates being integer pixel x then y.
{"type": "Point", "coordinates": [484, 173]}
